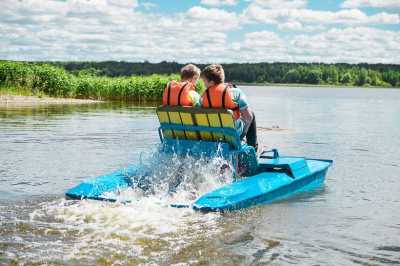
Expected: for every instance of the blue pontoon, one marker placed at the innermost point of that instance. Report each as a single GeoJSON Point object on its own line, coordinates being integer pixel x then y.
{"type": "Point", "coordinates": [208, 133]}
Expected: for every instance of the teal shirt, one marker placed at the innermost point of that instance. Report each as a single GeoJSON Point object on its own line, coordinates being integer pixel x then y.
{"type": "Point", "coordinates": [239, 98]}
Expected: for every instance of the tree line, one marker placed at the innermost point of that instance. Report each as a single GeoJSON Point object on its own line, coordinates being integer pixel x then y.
{"type": "Point", "coordinates": [146, 81]}
{"type": "Point", "coordinates": [386, 75]}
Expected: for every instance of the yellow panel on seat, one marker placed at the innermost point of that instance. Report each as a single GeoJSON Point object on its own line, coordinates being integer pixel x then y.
{"type": "Point", "coordinates": [168, 133]}
{"type": "Point", "coordinates": [180, 134]}
{"type": "Point", "coordinates": [214, 120]}
{"type": "Point", "coordinates": [227, 120]}
{"type": "Point", "coordinates": [192, 135]}
{"type": "Point", "coordinates": [187, 119]}
{"type": "Point", "coordinates": [197, 117]}
{"type": "Point", "coordinates": [202, 120]}
{"type": "Point", "coordinates": [206, 135]}
{"type": "Point", "coordinates": [163, 117]}
{"type": "Point", "coordinates": [175, 118]}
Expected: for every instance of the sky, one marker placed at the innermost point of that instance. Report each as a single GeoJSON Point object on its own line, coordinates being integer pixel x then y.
{"type": "Point", "coordinates": [201, 31]}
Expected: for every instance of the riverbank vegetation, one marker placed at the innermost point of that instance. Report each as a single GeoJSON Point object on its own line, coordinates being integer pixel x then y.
{"type": "Point", "coordinates": [146, 81]}
{"type": "Point", "coordinates": [381, 75]}
{"type": "Point", "coordinates": [44, 79]}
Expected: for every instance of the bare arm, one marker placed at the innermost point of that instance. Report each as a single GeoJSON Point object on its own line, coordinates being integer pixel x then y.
{"type": "Point", "coordinates": [247, 116]}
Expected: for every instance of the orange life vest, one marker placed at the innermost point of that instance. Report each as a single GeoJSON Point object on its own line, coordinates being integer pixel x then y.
{"type": "Point", "coordinates": [220, 96]}
{"type": "Point", "coordinates": [177, 93]}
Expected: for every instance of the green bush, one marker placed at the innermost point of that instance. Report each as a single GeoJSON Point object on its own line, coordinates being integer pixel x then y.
{"type": "Point", "coordinates": [346, 78]}
{"type": "Point", "coordinates": [292, 76]}
{"type": "Point", "coordinates": [54, 81]}
{"type": "Point", "coordinates": [314, 77]}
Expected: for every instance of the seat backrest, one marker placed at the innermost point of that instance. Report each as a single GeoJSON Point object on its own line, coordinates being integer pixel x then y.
{"type": "Point", "coordinates": [191, 123]}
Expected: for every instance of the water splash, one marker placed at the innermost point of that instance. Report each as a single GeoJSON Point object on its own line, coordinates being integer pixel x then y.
{"type": "Point", "coordinates": [140, 227]}
{"type": "Point", "coordinates": [172, 177]}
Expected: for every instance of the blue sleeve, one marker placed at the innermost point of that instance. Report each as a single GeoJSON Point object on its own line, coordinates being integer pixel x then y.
{"type": "Point", "coordinates": [239, 98]}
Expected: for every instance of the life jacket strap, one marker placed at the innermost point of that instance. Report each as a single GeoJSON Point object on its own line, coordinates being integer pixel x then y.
{"type": "Point", "coordinates": [223, 96]}
{"type": "Point", "coordinates": [209, 98]}
{"type": "Point", "coordinates": [169, 93]}
{"type": "Point", "coordinates": [180, 93]}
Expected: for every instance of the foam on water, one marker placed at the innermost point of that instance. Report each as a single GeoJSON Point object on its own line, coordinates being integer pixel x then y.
{"type": "Point", "coordinates": [141, 226]}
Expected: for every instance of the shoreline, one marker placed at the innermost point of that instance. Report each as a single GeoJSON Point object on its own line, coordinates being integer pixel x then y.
{"type": "Point", "coordinates": [301, 85]}
{"type": "Point", "coordinates": [11, 100]}
{"type": "Point", "coordinates": [20, 99]}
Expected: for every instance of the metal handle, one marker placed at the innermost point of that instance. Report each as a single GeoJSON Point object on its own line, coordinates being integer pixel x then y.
{"type": "Point", "coordinates": [274, 155]}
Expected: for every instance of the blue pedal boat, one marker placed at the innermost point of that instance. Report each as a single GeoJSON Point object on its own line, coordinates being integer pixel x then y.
{"type": "Point", "coordinates": [208, 133]}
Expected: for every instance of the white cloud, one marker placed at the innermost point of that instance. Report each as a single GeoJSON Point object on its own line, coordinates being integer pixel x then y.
{"type": "Point", "coordinates": [290, 26]}
{"type": "Point", "coordinates": [354, 44]}
{"type": "Point", "coordinates": [281, 14]}
{"type": "Point", "coordinates": [217, 18]}
{"type": "Point", "coordinates": [149, 5]}
{"type": "Point", "coordinates": [280, 4]}
{"type": "Point", "coordinates": [115, 30]}
{"type": "Point", "coordinates": [295, 26]}
{"type": "Point", "coordinates": [102, 30]}
{"type": "Point", "coordinates": [123, 3]}
{"type": "Point", "coordinates": [371, 3]}
{"type": "Point", "coordinates": [260, 46]}
{"type": "Point", "coordinates": [219, 2]}
{"type": "Point", "coordinates": [262, 40]}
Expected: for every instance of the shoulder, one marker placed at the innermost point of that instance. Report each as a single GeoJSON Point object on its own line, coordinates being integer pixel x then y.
{"type": "Point", "coordinates": [236, 93]}
{"type": "Point", "coordinates": [237, 90]}
{"type": "Point", "coordinates": [195, 97]}
{"type": "Point", "coordinates": [239, 97]}
{"type": "Point", "coordinates": [171, 83]}
{"type": "Point", "coordinates": [193, 92]}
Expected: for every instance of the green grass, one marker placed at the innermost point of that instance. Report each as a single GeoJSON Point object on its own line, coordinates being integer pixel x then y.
{"type": "Point", "coordinates": [15, 91]}
{"type": "Point", "coordinates": [42, 79]}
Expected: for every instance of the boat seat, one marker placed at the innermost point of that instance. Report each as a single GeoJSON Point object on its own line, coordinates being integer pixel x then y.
{"type": "Point", "coordinates": [198, 124]}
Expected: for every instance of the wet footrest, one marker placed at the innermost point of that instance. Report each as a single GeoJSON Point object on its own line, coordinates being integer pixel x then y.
{"type": "Point", "coordinates": [295, 167]}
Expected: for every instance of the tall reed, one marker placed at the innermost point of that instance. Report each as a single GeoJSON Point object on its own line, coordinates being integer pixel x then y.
{"type": "Point", "coordinates": [57, 82]}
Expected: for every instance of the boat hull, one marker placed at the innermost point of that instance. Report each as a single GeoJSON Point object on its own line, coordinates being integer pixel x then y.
{"type": "Point", "coordinates": [278, 178]}
{"type": "Point", "coordinates": [263, 188]}
{"type": "Point", "coordinates": [95, 188]}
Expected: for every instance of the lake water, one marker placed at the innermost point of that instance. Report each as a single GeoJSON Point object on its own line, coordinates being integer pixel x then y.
{"type": "Point", "coordinates": [353, 219]}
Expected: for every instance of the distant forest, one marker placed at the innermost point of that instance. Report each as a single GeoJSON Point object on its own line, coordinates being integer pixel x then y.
{"type": "Point", "coordinates": [387, 75]}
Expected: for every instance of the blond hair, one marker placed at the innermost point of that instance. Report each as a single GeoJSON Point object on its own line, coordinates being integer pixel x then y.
{"type": "Point", "coordinates": [190, 71]}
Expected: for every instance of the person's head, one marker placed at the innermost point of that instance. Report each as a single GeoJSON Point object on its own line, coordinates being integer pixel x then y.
{"type": "Point", "coordinates": [213, 75]}
{"type": "Point", "coordinates": [190, 73]}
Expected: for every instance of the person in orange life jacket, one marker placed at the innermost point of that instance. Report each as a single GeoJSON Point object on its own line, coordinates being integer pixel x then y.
{"type": "Point", "coordinates": [183, 92]}
{"type": "Point", "coordinates": [221, 95]}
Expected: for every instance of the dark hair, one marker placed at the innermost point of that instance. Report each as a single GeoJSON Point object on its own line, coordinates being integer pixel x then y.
{"type": "Point", "coordinates": [189, 71]}
{"type": "Point", "coordinates": [214, 72]}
